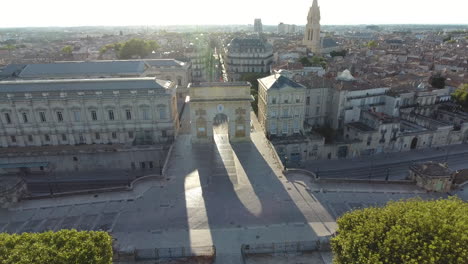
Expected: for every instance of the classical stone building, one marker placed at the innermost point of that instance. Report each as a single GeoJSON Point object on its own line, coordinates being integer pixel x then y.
{"type": "Point", "coordinates": [281, 105]}
{"type": "Point", "coordinates": [432, 176]}
{"type": "Point", "coordinates": [366, 119]}
{"type": "Point", "coordinates": [165, 69]}
{"type": "Point", "coordinates": [248, 55]}
{"type": "Point", "coordinates": [220, 104]}
{"type": "Point", "coordinates": [87, 111]}
{"type": "Point", "coordinates": [312, 30]}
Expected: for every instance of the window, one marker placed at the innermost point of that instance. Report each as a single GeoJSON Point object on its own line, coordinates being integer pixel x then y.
{"type": "Point", "coordinates": [128, 114]}
{"type": "Point", "coordinates": [285, 127]}
{"type": "Point", "coordinates": [308, 100]}
{"type": "Point", "coordinates": [77, 115]}
{"type": "Point", "coordinates": [286, 99]}
{"type": "Point", "coordinates": [64, 137]}
{"type": "Point", "coordinates": [142, 165]}
{"type": "Point", "coordinates": [97, 135]}
{"type": "Point", "coordinates": [179, 81]}
{"type": "Point", "coordinates": [296, 126]}
{"type": "Point", "coordinates": [13, 139]}
{"type": "Point", "coordinates": [111, 114]}
{"type": "Point", "coordinates": [164, 133]}
{"type": "Point", "coordinates": [273, 128]}
{"type": "Point", "coordinates": [296, 112]}
{"type": "Point", "coordinates": [273, 100]}
{"type": "Point", "coordinates": [162, 113]}
{"type": "Point", "coordinates": [273, 113]}
{"type": "Point", "coordinates": [7, 118]}
{"type": "Point", "coordinates": [285, 112]}
{"type": "Point", "coordinates": [317, 110]}
{"type": "Point", "coordinates": [42, 117]}
{"type": "Point", "coordinates": [145, 113]}
{"type": "Point", "coordinates": [114, 135]}
{"type": "Point", "coordinates": [25, 117]}
{"type": "Point", "coordinates": [47, 137]}
{"type": "Point", "coordinates": [130, 134]}
{"type": "Point", "coordinates": [298, 99]}
{"type": "Point", "coordinates": [59, 116]}
{"type": "Point", "coordinates": [94, 115]}
{"type": "Point", "coordinates": [150, 164]}
{"type": "Point", "coordinates": [30, 138]}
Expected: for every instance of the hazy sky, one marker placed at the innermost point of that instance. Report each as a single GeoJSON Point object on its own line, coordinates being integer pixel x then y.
{"type": "Point", "coordinates": [174, 12]}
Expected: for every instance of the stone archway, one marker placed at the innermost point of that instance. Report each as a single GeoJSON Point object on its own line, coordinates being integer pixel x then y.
{"type": "Point", "coordinates": [414, 143]}
{"type": "Point", "coordinates": [220, 108]}
{"type": "Point", "coordinates": [221, 124]}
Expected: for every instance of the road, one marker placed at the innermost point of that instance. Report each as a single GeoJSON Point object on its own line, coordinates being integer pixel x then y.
{"type": "Point", "coordinates": [381, 167]}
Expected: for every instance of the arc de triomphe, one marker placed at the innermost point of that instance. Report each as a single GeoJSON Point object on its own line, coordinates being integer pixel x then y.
{"type": "Point", "coordinates": [219, 102]}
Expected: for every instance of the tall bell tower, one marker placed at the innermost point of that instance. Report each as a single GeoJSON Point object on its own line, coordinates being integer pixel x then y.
{"type": "Point", "coordinates": [312, 30]}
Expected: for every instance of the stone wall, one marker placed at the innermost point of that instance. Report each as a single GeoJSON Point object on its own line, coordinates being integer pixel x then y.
{"type": "Point", "coordinates": [99, 160]}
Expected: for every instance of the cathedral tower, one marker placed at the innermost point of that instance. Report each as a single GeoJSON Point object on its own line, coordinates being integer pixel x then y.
{"type": "Point", "coordinates": [312, 30]}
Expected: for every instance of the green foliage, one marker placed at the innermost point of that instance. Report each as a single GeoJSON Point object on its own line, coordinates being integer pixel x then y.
{"type": "Point", "coordinates": [372, 44]}
{"type": "Point", "coordinates": [448, 38]}
{"type": "Point", "coordinates": [65, 246]}
{"type": "Point", "coordinates": [461, 96]}
{"type": "Point", "coordinates": [67, 50]}
{"type": "Point", "coordinates": [437, 81]}
{"type": "Point", "coordinates": [452, 41]}
{"type": "Point", "coordinates": [341, 53]}
{"type": "Point", "coordinates": [412, 231]}
{"type": "Point", "coordinates": [313, 62]}
{"type": "Point", "coordinates": [114, 46]}
{"type": "Point", "coordinates": [253, 79]}
{"type": "Point", "coordinates": [137, 48]}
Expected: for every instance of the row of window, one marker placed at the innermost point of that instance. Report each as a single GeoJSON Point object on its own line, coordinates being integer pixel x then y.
{"type": "Point", "coordinates": [285, 127]}
{"type": "Point", "coordinates": [286, 99]}
{"type": "Point", "coordinates": [76, 115]}
{"type": "Point", "coordinates": [285, 113]}
{"type": "Point", "coordinates": [64, 137]}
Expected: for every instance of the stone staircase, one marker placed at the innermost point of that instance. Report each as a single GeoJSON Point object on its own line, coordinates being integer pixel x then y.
{"type": "Point", "coordinates": [224, 167]}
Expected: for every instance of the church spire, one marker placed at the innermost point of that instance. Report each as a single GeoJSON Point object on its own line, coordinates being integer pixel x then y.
{"type": "Point", "coordinates": [312, 31]}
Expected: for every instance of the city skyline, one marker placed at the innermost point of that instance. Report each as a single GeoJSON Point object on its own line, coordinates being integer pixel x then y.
{"type": "Point", "coordinates": [50, 13]}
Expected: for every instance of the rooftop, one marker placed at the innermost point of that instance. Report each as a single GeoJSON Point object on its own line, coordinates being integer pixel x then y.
{"type": "Point", "coordinates": [360, 126]}
{"type": "Point", "coordinates": [82, 84]}
{"type": "Point", "coordinates": [277, 81]}
{"type": "Point", "coordinates": [219, 84]}
{"type": "Point", "coordinates": [83, 68]}
{"type": "Point", "coordinates": [432, 169]}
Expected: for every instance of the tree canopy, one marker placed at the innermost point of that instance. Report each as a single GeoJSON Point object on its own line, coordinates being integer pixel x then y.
{"type": "Point", "coordinates": [313, 62]}
{"type": "Point", "coordinates": [253, 79]}
{"type": "Point", "coordinates": [412, 231]}
{"type": "Point", "coordinates": [371, 44]}
{"type": "Point", "coordinates": [67, 50]}
{"type": "Point", "coordinates": [137, 48]}
{"type": "Point", "coordinates": [461, 96]}
{"type": "Point", "coordinates": [65, 246]}
{"type": "Point", "coordinates": [437, 81]}
{"type": "Point", "coordinates": [341, 53]}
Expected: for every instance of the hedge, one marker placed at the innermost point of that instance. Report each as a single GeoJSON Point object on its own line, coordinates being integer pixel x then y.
{"type": "Point", "coordinates": [413, 231]}
{"type": "Point", "coordinates": [62, 247]}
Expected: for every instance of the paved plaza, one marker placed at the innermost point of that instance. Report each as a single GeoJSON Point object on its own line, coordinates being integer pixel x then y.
{"type": "Point", "coordinates": [223, 194]}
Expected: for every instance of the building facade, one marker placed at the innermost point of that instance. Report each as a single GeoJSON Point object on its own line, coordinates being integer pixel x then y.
{"type": "Point", "coordinates": [365, 120]}
{"type": "Point", "coordinates": [164, 69]}
{"type": "Point", "coordinates": [87, 111]}
{"type": "Point", "coordinates": [248, 55]}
